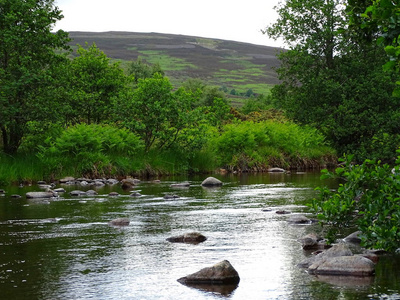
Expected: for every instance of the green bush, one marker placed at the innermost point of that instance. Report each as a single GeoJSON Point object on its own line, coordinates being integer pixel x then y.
{"type": "Point", "coordinates": [89, 149]}
{"type": "Point", "coordinates": [257, 145]}
{"type": "Point", "coordinates": [368, 200]}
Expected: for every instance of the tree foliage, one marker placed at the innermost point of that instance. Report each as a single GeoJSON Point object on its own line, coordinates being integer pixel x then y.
{"type": "Point", "coordinates": [332, 77]}
{"type": "Point", "coordinates": [383, 17]}
{"type": "Point", "coordinates": [27, 54]}
{"type": "Point", "coordinates": [94, 83]}
{"type": "Point", "coordinates": [142, 70]}
{"type": "Point", "coordinates": [161, 117]}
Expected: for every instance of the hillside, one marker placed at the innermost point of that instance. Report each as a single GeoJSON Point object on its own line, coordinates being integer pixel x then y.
{"type": "Point", "coordinates": [234, 65]}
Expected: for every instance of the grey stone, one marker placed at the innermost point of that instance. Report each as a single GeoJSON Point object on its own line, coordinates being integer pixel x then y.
{"type": "Point", "coordinates": [35, 195]}
{"type": "Point", "coordinates": [312, 242]}
{"type": "Point", "coordinates": [276, 170]}
{"type": "Point", "coordinates": [135, 194]}
{"type": "Point", "coordinates": [211, 181]}
{"type": "Point", "coordinates": [353, 238]}
{"type": "Point", "coordinates": [119, 222]}
{"type": "Point", "coordinates": [77, 193]}
{"type": "Point", "coordinates": [334, 251]}
{"type": "Point", "coordinates": [190, 238]}
{"type": "Point", "coordinates": [344, 266]}
{"type": "Point", "coordinates": [180, 185]}
{"type": "Point", "coordinates": [169, 197]}
{"type": "Point", "coordinates": [67, 179]}
{"type": "Point", "coordinates": [220, 273]}
{"type": "Point", "coordinates": [299, 219]}
{"type": "Point", "coordinates": [91, 192]}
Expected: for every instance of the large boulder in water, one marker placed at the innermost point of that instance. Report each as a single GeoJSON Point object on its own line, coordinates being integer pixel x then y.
{"type": "Point", "coordinates": [344, 266]}
{"type": "Point", "coordinates": [211, 181]}
{"type": "Point", "coordinates": [190, 238]}
{"type": "Point", "coordinates": [335, 251]}
{"type": "Point", "coordinates": [220, 273]}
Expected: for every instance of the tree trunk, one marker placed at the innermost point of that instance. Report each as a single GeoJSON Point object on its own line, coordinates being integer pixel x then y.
{"type": "Point", "coordinates": [11, 140]}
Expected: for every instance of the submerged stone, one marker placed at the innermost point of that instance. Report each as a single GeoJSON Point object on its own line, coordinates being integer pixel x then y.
{"type": "Point", "coordinates": [119, 222]}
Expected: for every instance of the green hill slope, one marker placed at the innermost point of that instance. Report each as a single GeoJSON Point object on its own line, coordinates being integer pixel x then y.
{"type": "Point", "coordinates": [229, 64]}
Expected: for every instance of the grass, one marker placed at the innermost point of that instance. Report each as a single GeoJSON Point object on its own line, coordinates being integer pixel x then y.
{"type": "Point", "coordinates": [20, 168]}
{"type": "Point", "coordinates": [167, 62]}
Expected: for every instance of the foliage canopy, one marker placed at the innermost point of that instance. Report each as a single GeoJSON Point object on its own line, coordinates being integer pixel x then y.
{"type": "Point", "coordinates": [27, 56]}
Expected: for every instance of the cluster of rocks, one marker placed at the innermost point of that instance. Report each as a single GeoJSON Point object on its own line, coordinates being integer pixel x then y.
{"type": "Point", "coordinates": [340, 260]}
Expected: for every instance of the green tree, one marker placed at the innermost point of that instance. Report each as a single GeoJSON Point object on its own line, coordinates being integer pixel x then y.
{"type": "Point", "coordinates": [27, 54]}
{"type": "Point", "coordinates": [162, 118]}
{"type": "Point", "coordinates": [381, 17]}
{"type": "Point", "coordinates": [141, 70]}
{"type": "Point", "coordinates": [205, 94]}
{"type": "Point", "coordinates": [95, 82]}
{"type": "Point", "coordinates": [332, 77]}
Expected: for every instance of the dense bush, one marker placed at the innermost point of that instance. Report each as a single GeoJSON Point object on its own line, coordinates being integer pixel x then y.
{"type": "Point", "coordinates": [89, 148]}
{"type": "Point", "coordinates": [258, 145]}
{"type": "Point", "coordinates": [369, 200]}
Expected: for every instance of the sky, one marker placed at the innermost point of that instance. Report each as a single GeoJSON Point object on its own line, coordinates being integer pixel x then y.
{"type": "Point", "coordinates": [221, 19]}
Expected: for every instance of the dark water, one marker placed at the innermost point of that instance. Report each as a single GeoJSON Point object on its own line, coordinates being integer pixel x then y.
{"type": "Point", "coordinates": [65, 249]}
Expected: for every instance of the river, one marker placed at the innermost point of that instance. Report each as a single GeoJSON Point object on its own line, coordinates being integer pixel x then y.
{"type": "Point", "coordinates": [65, 248]}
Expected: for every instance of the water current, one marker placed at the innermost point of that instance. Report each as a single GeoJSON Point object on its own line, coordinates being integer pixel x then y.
{"type": "Point", "coordinates": [64, 248]}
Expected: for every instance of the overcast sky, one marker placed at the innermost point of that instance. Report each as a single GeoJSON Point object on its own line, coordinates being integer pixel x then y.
{"type": "Point", "coordinates": [223, 19]}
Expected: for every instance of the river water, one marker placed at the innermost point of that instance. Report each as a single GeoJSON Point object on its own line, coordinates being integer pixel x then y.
{"type": "Point", "coordinates": [65, 249]}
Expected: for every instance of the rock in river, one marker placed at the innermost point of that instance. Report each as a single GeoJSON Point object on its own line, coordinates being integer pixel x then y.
{"type": "Point", "coordinates": [299, 219]}
{"type": "Point", "coordinates": [344, 265]}
{"type": "Point", "coordinates": [49, 194]}
{"type": "Point", "coordinates": [312, 242]}
{"type": "Point", "coordinates": [190, 238]}
{"type": "Point", "coordinates": [119, 222]}
{"type": "Point", "coordinates": [211, 181]}
{"type": "Point", "coordinates": [220, 273]}
{"type": "Point", "coordinates": [77, 193]}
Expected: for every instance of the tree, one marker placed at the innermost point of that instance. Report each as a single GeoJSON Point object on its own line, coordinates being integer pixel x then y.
{"type": "Point", "coordinates": [161, 117]}
{"type": "Point", "coordinates": [141, 70]}
{"type": "Point", "coordinates": [205, 94]}
{"type": "Point", "coordinates": [382, 17]}
{"type": "Point", "coordinates": [95, 82]}
{"type": "Point", "coordinates": [27, 53]}
{"type": "Point", "coordinates": [332, 78]}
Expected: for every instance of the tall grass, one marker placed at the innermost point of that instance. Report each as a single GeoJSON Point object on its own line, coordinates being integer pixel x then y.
{"type": "Point", "coordinates": [249, 146]}
{"type": "Point", "coordinates": [20, 168]}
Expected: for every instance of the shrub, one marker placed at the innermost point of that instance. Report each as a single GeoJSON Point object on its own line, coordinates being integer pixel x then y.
{"type": "Point", "coordinates": [369, 199]}
{"type": "Point", "coordinates": [257, 145]}
{"type": "Point", "coordinates": [89, 148]}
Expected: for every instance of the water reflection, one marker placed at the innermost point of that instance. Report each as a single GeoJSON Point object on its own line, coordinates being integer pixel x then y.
{"type": "Point", "coordinates": [64, 248]}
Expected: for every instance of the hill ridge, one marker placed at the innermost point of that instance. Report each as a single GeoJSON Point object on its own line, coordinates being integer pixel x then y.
{"type": "Point", "coordinates": [231, 64]}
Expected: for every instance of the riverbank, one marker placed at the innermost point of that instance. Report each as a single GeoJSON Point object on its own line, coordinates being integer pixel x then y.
{"type": "Point", "coordinates": [28, 167]}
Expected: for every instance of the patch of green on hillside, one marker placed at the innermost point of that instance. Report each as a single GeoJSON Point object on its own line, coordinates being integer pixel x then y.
{"type": "Point", "coordinates": [167, 62]}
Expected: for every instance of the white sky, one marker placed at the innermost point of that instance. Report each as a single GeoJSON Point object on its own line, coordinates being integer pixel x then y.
{"type": "Point", "coordinates": [223, 19]}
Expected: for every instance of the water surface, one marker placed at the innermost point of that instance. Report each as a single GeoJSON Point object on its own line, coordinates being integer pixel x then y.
{"type": "Point", "coordinates": [65, 249]}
